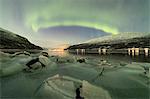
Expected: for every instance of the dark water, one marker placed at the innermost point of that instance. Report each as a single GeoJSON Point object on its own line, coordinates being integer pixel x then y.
{"type": "Point", "coordinates": [119, 57]}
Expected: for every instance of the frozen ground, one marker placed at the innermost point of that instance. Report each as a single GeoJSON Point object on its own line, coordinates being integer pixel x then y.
{"type": "Point", "coordinates": [122, 78]}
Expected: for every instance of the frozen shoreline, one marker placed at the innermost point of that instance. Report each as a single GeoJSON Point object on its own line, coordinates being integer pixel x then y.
{"type": "Point", "coordinates": [120, 81]}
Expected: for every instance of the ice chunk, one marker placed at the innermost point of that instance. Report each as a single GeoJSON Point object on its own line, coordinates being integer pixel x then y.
{"type": "Point", "coordinates": [93, 92]}
{"type": "Point", "coordinates": [13, 68]}
{"type": "Point", "coordinates": [21, 54]}
{"type": "Point", "coordinates": [2, 54]}
{"type": "Point", "coordinates": [63, 87]}
{"type": "Point", "coordinates": [44, 60]}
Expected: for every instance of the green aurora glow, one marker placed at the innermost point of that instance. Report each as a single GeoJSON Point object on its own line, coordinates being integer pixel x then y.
{"type": "Point", "coordinates": [107, 15]}
{"type": "Point", "coordinates": [111, 16]}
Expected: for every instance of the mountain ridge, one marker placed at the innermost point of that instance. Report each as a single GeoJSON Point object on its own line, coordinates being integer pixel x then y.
{"type": "Point", "coordinates": [10, 40]}
{"type": "Point", "coordinates": [142, 40]}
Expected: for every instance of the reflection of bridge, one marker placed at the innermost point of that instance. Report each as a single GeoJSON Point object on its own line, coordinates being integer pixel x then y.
{"type": "Point", "coordinates": [129, 51]}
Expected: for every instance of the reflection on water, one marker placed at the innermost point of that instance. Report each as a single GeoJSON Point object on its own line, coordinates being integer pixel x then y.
{"type": "Point", "coordinates": [146, 51]}
{"type": "Point", "coordinates": [129, 51]}
{"type": "Point", "coordinates": [77, 50]}
{"type": "Point", "coordinates": [132, 50]}
{"type": "Point", "coordinates": [104, 51]}
{"type": "Point", "coordinates": [99, 50]}
{"type": "Point", "coordinates": [136, 51]}
{"type": "Point", "coordinates": [58, 53]}
{"type": "Point", "coordinates": [82, 51]}
{"type": "Point", "coordinates": [118, 57]}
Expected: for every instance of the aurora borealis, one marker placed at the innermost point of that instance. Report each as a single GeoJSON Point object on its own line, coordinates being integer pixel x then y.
{"type": "Point", "coordinates": [27, 17]}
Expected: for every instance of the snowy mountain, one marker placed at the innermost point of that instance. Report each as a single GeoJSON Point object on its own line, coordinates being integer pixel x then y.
{"type": "Point", "coordinates": [119, 37]}
{"type": "Point", "coordinates": [9, 40]}
{"type": "Point", "coordinates": [123, 40]}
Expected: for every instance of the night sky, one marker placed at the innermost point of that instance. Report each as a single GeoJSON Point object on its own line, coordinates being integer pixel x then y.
{"type": "Point", "coordinates": [50, 23]}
